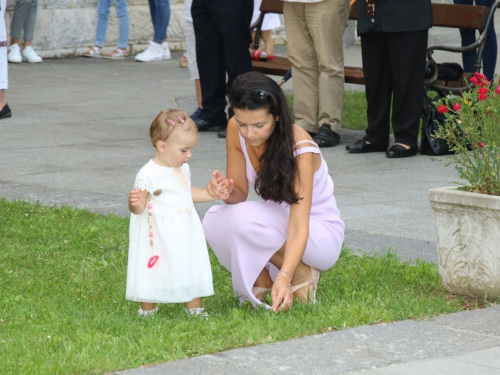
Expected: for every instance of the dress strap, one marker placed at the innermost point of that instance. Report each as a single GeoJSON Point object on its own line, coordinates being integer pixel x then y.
{"type": "Point", "coordinates": [305, 141]}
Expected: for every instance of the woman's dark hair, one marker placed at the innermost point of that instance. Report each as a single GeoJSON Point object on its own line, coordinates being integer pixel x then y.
{"type": "Point", "coordinates": [276, 178]}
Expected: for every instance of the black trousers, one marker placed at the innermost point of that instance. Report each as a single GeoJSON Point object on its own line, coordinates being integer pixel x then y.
{"type": "Point", "coordinates": [223, 37]}
{"type": "Point", "coordinates": [394, 69]}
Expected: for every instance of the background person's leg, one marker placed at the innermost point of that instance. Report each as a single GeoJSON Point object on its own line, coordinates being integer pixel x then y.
{"type": "Point", "coordinates": [377, 72]}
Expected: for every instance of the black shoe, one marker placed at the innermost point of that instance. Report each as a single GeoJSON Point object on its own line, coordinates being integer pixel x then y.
{"type": "Point", "coordinates": [5, 112]}
{"type": "Point", "coordinates": [311, 134]}
{"type": "Point", "coordinates": [360, 147]}
{"type": "Point", "coordinates": [398, 151]}
{"type": "Point", "coordinates": [196, 114]}
{"type": "Point", "coordinates": [221, 133]}
{"type": "Point", "coordinates": [326, 137]}
{"type": "Point", "coordinates": [206, 126]}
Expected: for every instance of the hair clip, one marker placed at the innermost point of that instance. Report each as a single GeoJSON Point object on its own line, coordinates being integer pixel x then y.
{"type": "Point", "coordinates": [180, 118]}
{"type": "Point", "coordinates": [171, 122]}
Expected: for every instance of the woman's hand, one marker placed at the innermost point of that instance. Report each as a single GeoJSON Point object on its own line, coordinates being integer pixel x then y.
{"type": "Point", "coordinates": [219, 186]}
{"type": "Point", "coordinates": [281, 294]}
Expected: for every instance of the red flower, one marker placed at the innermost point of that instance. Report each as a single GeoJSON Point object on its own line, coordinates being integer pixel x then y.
{"type": "Point", "coordinates": [474, 81]}
{"type": "Point", "coordinates": [443, 109]}
{"type": "Point", "coordinates": [481, 144]}
{"type": "Point", "coordinates": [480, 76]}
{"type": "Point", "coordinates": [457, 107]}
{"type": "Point", "coordinates": [482, 91]}
{"type": "Point", "coordinates": [498, 90]}
{"type": "Point", "coordinates": [482, 97]}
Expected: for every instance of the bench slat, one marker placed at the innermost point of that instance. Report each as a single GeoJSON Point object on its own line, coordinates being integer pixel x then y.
{"type": "Point", "coordinates": [444, 15]}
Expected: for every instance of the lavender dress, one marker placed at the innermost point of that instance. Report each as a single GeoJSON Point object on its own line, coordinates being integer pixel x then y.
{"type": "Point", "coordinates": [245, 236]}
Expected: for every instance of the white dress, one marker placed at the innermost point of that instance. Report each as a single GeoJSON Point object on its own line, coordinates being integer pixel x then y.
{"type": "Point", "coordinates": [182, 271]}
{"type": "Point", "coordinates": [271, 20]}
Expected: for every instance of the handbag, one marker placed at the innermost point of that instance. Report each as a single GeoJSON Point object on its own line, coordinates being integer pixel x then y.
{"type": "Point", "coordinates": [429, 144]}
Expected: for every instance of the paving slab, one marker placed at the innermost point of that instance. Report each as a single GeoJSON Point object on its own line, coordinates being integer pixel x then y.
{"type": "Point", "coordinates": [79, 135]}
{"type": "Point", "coordinates": [408, 347]}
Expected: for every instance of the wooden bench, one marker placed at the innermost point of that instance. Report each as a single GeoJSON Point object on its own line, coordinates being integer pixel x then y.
{"type": "Point", "coordinates": [444, 15]}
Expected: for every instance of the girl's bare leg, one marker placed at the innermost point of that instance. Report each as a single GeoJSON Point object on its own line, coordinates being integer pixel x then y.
{"type": "Point", "coordinates": [268, 41]}
{"type": "Point", "coordinates": [147, 306]}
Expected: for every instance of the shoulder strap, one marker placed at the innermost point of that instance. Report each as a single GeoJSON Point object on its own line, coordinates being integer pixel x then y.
{"type": "Point", "coordinates": [305, 141]}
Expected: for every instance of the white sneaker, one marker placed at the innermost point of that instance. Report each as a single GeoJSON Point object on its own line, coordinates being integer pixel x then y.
{"type": "Point", "coordinates": [14, 55]}
{"type": "Point", "coordinates": [166, 51]}
{"type": "Point", "coordinates": [30, 55]}
{"type": "Point", "coordinates": [153, 53]}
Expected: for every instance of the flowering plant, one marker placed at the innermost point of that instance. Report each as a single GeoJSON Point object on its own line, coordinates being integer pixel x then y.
{"type": "Point", "coordinates": [472, 131]}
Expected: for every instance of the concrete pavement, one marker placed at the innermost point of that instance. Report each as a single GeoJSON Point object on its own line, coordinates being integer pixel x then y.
{"type": "Point", "coordinates": [78, 136]}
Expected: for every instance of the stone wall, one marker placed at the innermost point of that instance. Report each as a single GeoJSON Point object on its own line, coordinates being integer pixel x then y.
{"type": "Point", "coordinates": [67, 27]}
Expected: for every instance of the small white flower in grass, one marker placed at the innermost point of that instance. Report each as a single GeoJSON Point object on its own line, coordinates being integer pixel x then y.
{"type": "Point", "coordinates": [49, 337]}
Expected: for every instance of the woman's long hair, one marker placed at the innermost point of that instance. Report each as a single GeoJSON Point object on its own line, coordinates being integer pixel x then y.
{"type": "Point", "coordinates": [278, 169]}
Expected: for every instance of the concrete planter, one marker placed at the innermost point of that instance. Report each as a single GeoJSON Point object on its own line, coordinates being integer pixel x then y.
{"type": "Point", "coordinates": [468, 230]}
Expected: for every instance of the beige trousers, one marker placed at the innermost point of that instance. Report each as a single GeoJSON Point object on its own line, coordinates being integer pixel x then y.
{"type": "Point", "coordinates": [314, 36]}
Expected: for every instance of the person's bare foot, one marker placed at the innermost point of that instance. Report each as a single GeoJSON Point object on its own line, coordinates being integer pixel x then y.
{"type": "Point", "coordinates": [263, 284]}
{"type": "Point", "coordinates": [302, 275]}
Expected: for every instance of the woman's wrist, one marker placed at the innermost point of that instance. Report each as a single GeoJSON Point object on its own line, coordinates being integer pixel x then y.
{"type": "Point", "coordinates": [286, 276]}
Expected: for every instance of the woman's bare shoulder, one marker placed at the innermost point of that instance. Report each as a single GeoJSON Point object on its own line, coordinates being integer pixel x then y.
{"type": "Point", "coordinates": [232, 134]}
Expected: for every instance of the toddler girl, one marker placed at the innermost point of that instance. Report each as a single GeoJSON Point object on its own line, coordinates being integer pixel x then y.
{"type": "Point", "coordinates": [168, 258]}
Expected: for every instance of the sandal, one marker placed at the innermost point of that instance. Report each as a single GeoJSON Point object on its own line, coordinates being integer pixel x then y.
{"type": "Point", "coordinates": [93, 51]}
{"type": "Point", "coordinates": [183, 61]}
{"type": "Point", "coordinates": [326, 137]}
{"type": "Point", "coordinates": [117, 54]}
{"type": "Point", "coordinates": [256, 290]}
{"type": "Point", "coordinates": [142, 312]}
{"type": "Point", "coordinates": [311, 294]}
{"type": "Point", "coordinates": [197, 311]}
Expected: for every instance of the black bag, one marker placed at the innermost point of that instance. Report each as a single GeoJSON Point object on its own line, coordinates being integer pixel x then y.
{"type": "Point", "coordinates": [430, 145]}
{"type": "Point", "coordinates": [446, 72]}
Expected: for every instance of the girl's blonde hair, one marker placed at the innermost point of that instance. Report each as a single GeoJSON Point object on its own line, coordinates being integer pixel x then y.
{"type": "Point", "coordinates": [168, 122]}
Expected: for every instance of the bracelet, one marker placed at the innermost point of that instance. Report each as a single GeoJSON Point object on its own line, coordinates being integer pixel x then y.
{"type": "Point", "coordinates": [290, 276]}
{"type": "Point", "coordinates": [285, 275]}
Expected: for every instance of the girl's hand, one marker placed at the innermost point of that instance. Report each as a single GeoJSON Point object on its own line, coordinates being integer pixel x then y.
{"type": "Point", "coordinates": [215, 186]}
{"type": "Point", "coordinates": [134, 198]}
{"type": "Point", "coordinates": [281, 294]}
{"type": "Point", "coordinates": [226, 188]}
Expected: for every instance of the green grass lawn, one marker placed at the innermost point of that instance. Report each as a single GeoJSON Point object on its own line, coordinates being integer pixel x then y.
{"type": "Point", "coordinates": [63, 307]}
{"type": "Point", "coordinates": [354, 112]}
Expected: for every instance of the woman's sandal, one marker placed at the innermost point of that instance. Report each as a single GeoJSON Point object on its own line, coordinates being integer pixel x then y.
{"type": "Point", "coordinates": [256, 290]}
{"type": "Point", "coordinates": [93, 51]}
{"type": "Point", "coordinates": [116, 54]}
{"type": "Point", "coordinates": [311, 295]}
{"type": "Point", "coordinates": [183, 61]}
